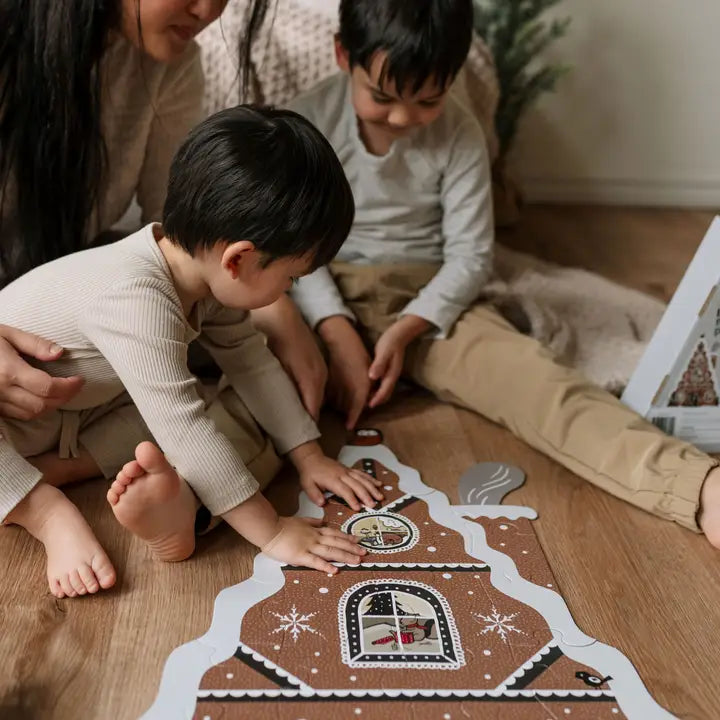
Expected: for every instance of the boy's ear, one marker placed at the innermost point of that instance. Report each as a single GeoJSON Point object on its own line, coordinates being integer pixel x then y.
{"type": "Point", "coordinates": [342, 56]}
{"type": "Point", "coordinates": [238, 257]}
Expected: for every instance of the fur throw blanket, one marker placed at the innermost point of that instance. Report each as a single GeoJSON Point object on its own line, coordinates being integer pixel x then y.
{"type": "Point", "coordinates": [590, 323]}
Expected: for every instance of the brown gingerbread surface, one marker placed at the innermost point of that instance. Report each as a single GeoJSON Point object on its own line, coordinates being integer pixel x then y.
{"type": "Point", "coordinates": [417, 631]}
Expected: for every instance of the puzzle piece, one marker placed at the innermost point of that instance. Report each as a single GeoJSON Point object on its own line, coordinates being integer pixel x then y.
{"type": "Point", "coordinates": [488, 483]}
{"type": "Point", "coordinates": [517, 538]}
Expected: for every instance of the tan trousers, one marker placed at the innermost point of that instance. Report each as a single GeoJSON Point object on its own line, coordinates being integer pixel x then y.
{"type": "Point", "coordinates": [111, 432]}
{"type": "Point", "coordinates": [487, 366]}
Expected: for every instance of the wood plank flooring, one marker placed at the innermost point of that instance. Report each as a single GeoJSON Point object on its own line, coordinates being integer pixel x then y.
{"type": "Point", "coordinates": [643, 585]}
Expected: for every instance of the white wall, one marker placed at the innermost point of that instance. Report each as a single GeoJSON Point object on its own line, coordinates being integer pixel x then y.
{"type": "Point", "coordinates": [638, 119]}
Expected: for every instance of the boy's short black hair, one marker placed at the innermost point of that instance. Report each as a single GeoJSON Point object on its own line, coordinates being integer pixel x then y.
{"type": "Point", "coordinates": [260, 174]}
{"type": "Point", "coordinates": [422, 38]}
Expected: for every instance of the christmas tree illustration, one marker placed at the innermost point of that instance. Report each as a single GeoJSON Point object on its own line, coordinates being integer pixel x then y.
{"type": "Point", "coordinates": [382, 604]}
{"type": "Point", "coordinates": [696, 387]}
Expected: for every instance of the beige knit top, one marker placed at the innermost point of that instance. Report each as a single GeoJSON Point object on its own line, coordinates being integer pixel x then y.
{"type": "Point", "coordinates": [148, 108]}
{"type": "Point", "coordinates": [116, 311]}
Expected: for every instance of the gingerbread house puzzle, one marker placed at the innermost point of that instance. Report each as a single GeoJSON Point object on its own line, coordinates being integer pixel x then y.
{"type": "Point", "coordinates": [453, 614]}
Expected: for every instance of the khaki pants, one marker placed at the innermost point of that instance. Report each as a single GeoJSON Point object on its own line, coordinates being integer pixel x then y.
{"type": "Point", "coordinates": [487, 366]}
{"type": "Point", "coordinates": [111, 432]}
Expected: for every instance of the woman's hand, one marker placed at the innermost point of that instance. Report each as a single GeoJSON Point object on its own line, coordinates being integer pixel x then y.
{"type": "Point", "coordinates": [294, 345]}
{"type": "Point", "coordinates": [25, 391]}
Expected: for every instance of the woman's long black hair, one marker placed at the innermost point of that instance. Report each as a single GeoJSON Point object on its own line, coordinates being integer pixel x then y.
{"type": "Point", "coordinates": [52, 152]}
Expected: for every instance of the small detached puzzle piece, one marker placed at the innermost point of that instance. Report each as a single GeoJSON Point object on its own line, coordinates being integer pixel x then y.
{"type": "Point", "coordinates": [488, 483]}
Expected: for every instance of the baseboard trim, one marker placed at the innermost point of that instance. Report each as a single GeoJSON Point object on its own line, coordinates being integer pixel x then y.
{"type": "Point", "coordinates": [704, 194]}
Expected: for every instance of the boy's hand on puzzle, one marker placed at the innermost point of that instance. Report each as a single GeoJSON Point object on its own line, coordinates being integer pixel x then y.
{"type": "Point", "coordinates": [319, 473]}
{"type": "Point", "coordinates": [303, 541]}
{"type": "Point", "coordinates": [348, 364]}
{"type": "Point", "coordinates": [390, 355]}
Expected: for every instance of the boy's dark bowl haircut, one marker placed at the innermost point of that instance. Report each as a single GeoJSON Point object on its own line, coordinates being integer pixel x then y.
{"type": "Point", "coordinates": [260, 174]}
{"type": "Point", "coordinates": [423, 39]}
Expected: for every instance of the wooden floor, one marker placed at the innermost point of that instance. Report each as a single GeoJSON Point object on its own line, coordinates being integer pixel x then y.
{"type": "Point", "coordinates": [643, 585]}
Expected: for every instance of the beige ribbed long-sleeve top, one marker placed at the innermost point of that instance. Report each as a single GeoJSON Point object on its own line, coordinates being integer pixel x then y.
{"type": "Point", "coordinates": [116, 312]}
{"type": "Point", "coordinates": [147, 109]}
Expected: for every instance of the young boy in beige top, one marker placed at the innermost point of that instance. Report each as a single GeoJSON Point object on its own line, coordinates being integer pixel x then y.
{"type": "Point", "coordinates": [256, 198]}
{"type": "Point", "coordinates": [407, 280]}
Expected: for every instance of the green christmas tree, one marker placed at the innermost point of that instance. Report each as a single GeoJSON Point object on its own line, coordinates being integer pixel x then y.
{"type": "Point", "coordinates": [516, 37]}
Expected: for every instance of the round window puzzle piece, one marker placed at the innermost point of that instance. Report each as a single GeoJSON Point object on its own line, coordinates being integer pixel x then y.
{"type": "Point", "coordinates": [382, 532]}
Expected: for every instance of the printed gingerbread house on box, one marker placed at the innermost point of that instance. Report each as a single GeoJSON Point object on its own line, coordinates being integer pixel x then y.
{"type": "Point", "coordinates": [676, 384]}
{"type": "Point", "coordinates": [452, 614]}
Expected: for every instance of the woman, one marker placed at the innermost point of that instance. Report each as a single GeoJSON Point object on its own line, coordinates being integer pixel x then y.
{"type": "Point", "coordinates": [95, 97]}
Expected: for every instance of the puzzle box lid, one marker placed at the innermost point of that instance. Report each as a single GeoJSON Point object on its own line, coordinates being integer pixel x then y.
{"type": "Point", "coordinates": [676, 385]}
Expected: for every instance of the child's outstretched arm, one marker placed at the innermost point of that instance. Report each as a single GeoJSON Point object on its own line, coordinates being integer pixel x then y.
{"type": "Point", "coordinates": [293, 540]}
{"type": "Point", "coordinates": [292, 342]}
{"type": "Point", "coordinates": [349, 382]}
{"type": "Point", "coordinates": [267, 391]}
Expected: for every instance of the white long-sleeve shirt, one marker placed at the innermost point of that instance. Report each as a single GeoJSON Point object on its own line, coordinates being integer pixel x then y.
{"type": "Point", "coordinates": [427, 201]}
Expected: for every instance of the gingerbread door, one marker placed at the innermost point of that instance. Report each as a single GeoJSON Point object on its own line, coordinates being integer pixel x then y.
{"type": "Point", "coordinates": [453, 614]}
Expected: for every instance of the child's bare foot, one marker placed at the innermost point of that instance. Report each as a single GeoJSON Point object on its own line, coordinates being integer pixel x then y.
{"type": "Point", "coordinates": [152, 501]}
{"type": "Point", "coordinates": [709, 519]}
{"type": "Point", "coordinates": [77, 564]}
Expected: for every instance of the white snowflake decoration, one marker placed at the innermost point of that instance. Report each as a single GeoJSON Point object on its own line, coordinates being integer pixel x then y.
{"type": "Point", "coordinates": [501, 624]}
{"type": "Point", "coordinates": [295, 623]}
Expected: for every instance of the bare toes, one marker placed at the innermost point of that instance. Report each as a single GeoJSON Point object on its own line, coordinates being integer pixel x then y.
{"type": "Point", "coordinates": [77, 583]}
{"type": "Point", "coordinates": [135, 469]}
{"type": "Point", "coordinates": [66, 586]}
{"type": "Point", "coordinates": [104, 571]}
{"type": "Point", "coordinates": [119, 488]}
{"type": "Point", "coordinates": [123, 480]}
{"type": "Point", "coordinates": [112, 496]}
{"type": "Point", "coordinates": [88, 578]}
